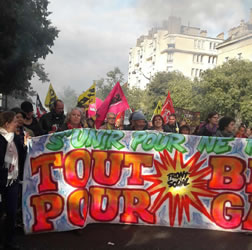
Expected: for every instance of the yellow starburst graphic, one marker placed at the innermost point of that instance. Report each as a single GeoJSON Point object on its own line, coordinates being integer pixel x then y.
{"type": "Point", "coordinates": [180, 184]}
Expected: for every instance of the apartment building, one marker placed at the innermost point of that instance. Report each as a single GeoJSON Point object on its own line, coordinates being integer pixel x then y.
{"type": "Point", "coordinates": [172, 47]}
{"type": "Point", "coordinates": [238, 44]}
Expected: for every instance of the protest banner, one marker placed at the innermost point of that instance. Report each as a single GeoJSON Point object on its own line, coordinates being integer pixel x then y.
{"type": "Point", "coordinates": [191, 118]}
{"type": "Point", "coordinates": [82, 176]}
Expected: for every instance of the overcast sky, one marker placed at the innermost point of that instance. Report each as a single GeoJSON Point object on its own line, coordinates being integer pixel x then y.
{"type": "Point", "coordinates": [96, 35]}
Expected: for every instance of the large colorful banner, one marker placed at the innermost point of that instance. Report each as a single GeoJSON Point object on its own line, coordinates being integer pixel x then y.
{"type": "Point", "coordinates": [82, 176]}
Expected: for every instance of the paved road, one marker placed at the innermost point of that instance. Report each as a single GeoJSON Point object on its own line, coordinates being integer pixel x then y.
{"type": "Point", "coordinates": [111, 236]}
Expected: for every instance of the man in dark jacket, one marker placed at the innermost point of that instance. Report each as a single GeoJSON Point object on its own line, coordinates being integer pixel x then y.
{"type": "Point", "coordinates": [53, 120]}
{"type": "Point", "coordinates": [172, 125]}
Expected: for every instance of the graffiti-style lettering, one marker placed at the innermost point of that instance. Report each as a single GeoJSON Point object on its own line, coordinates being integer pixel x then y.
{"type": "Point", "coordinates": [104, 203]}
{"type": "Point", "coordinates": [46, 207]}
{"type": "Point", "coordinates": [136, 204]}
{"type": "Point", "coordinates": [178, 179]}
{"type": "Point", "coordinates": [159, 142]}
{"type": "Point", "coordinates": [249, 185]}
{"type": "Point", "coordinates": [225, 216]}
{"type": "Point", "coordinates": [100, 173]}
{"type": "Point", "coordinates": [79, 137]}
{"type": "Point", "coordinates": [136, 162]}
{"type": "Point", "coordinates": [228, 173]}
{"type": "Point", "coordinates": [139, 137]}
{"type": "Point", "coordinates": [43, 165]}
{"type": "Point", "coordinates": [175, 141]}
{"type": "Point", "coordinates": [76, 210]}
{"type": "Point", "coordinates": [56, 141]}
{"type": "Point", "coordinates": [213, 144]}
{"type": "Point", "coordinates": [72, 167]}
{"type": "Point", "coordinates": [248, 149]}
{"type": "Point", "coordinates": [114, 140]}
{"type": "Point", "coordinates": [247, 224]}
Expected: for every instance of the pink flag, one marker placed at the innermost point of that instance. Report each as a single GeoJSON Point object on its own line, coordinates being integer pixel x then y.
{"type": "Point", "coordinates": [167, 108]}
{"type": "Point", "coordinates": [93, 107]}
{"type": "Point", "coordinates": [115, 102]}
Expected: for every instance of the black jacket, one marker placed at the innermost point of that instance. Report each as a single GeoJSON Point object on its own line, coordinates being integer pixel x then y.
{"type": "Point", "coordinates": [51, 118]}
{"type": "Point", "coordinates": [21, 158]}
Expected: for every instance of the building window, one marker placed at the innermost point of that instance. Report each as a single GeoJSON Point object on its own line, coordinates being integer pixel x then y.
{"type": "Point", "coordinates": [226, 58]}
{"type": "Point", "coordinates": [192, 72]}
{"type": "Point", "coordinates": [171, 45]}
{"type": "Point", "coordinates": [201, 59]}
{"type": "Point", "coordinates": [196, 72]}
{"type": "Point", "coordinates": [210, 45]}
{"type": "Point", "coordinates": [194, 58]}
{"type": "Point", "coordinates": [170, 57]}
{"type": "Point", "coordinates": [200, 72]}
{"type": "Point", "coordinates": [199, 44]}
{"type": "Point", "coordinates": [239, 56]}
{"type": "Point", "coordinates": [195, 43]}
{"type": "Point", "coordinates": [202, 44]}
{"type": "Point", "coordinates": [209, 59]}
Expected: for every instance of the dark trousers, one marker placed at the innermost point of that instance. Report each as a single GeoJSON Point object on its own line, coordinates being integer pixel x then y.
{"type": "Point", "coordinates": [8, 206]}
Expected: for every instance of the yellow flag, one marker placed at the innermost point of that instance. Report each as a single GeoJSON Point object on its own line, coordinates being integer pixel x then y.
{"type": "Point", "coordinates": [50, 97]}
{"type": "Point", "coordinates": [87, 97]}
{"type": "Point", "coordinates": [158, 108]}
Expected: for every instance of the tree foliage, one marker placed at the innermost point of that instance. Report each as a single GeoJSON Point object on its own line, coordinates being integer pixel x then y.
{"type": "Point", "coordinates": [26, 35]}
{"type": "Point", "coordinates": [105, 85]}
{"type": "Point", "coordinates": [227, 89]}
{"type": "Point", "coordinates": [180, 87]}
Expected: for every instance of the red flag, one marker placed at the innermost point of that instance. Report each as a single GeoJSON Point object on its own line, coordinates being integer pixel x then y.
{"type": "Point", "coordinates": [167, 108]}
{"type": "Point", "coordinates": [115, 102]}
{"type": "Point", "coordinates": [120, 119]}
{"type": "Point", "coordinates": [39, 107]}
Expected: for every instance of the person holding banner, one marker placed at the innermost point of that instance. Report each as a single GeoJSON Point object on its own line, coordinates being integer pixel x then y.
{"type": "Point", "coordinates": [53, 120]}
{"type": "Point", "coordinates": [30, 121]}
{"type": "Point", "coordinates": [209, 128]}
{"type": "Point", "coordinates": [73, 119]}
{"type": "Point", "coordinates": [138, 121]}
{"type": "Point", "coordinates": [109, 122]}
{"type": "Point", "coordinates": [158, 123]}
{"type": "Point", "coordinates": [226, 127]}
{"type": "Point", "coordinates": [11, 152]}
{"type": "Point", "coordinates": [172, 125]}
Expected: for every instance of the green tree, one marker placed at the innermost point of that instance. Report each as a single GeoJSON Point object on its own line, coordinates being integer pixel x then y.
{"type": "Point", "coordinates": [105, 85]}
{"type": "Point", "coordinates": [227, 89]}
{"type": "Point", "coordinates": [136, 97]}
{"type": "Point", "coordinates": [180, 87]}
{"type": "Point", "coordinates": [26, 35]}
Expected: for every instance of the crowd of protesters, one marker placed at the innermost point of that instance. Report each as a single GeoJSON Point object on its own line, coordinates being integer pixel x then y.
{"type": "Point", "coordinates": [17, 125]}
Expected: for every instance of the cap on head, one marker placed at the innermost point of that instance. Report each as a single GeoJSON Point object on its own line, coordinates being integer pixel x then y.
{"type": "Point", "coordinates": [26, 107]}
{"type": "Point", "coordinates": [138, 116]}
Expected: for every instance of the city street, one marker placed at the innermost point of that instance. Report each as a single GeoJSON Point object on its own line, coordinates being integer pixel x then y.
{"type": "Point", "coordinates": [112, 236]}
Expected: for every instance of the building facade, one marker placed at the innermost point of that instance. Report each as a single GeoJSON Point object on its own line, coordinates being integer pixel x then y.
{"type": "Point", "coordinates": [172, 47]}
{"type": "Point", "coordinates": [238, 44]}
